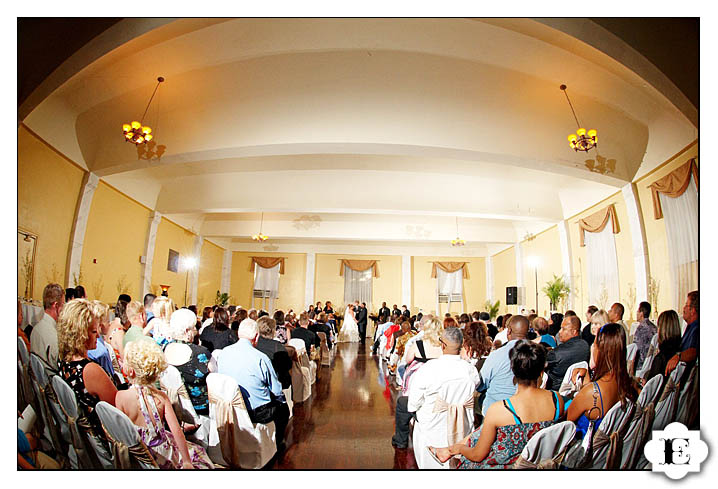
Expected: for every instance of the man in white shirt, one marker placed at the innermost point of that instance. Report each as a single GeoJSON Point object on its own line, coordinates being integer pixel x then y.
{"type": "Point", "coordinates": [43, 340]}
{"type": "Point", "coordinates": [379, 333]}
{"type": "Point", "coordinates": [444, 382]}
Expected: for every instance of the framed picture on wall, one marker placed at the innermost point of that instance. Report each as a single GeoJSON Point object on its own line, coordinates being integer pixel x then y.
{"type": "Point", "coordinates": [173, 261]}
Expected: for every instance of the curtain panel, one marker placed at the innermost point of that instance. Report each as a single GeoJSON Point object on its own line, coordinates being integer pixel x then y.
{"type": "Point", "coordinates": [450, 267]}
{"type": "Point", "coordinates": [673, 185]}
{"type": "Point", "coordinates": [357, 285]}
{"type": "Point", "coordinates": [596, 222]}
{"type": "Point", "coordinates": [360, 266]}
{"type": "Point", "coordinates": [267, 262]}
{"type": "Point", "coordinates": [602, 268]}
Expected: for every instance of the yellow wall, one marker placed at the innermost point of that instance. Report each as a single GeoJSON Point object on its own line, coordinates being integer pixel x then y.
{"type": "Point", "coordinates": [546, 247]}
{"type": "Point", "coordinates": [291, 284]}
{"type": "Point", "coordinates": [624, 256]}
{"type": "Point", "coordinates": [115, 237]}
{"type": "Point", "coordinates": [170, 235]}
{"type": "Point", "coordinates": [424, 287]}
{"type": "Point", "coordinates": [659, 261]}
{"type": "Point", "coordinates": [504, 276]}
{"type": "Point", "coordinates": [210, 274]}
{"type": "Point", "coordinates": [48, 186]}
{"type": "Point", "coordinates": [329, 286]}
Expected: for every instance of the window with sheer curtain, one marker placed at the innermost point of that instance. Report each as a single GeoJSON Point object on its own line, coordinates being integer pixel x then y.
{"type": "Point", "coordinates": [450, 286]}
{"type": "Point", "coordinates": [681, 218]}
{"type": "Point", "coordinates": [266, 286]}
{"type": "Point", "coordinates": [357, 286]}
{"type": "Point", "coordinates": [602, 267]}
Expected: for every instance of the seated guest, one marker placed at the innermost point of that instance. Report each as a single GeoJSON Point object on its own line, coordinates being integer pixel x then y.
{"type": "Point", "coordinates": [303, 333]}
{"type": "Point", "coordinates": [571, 350]}
{"type": "Point", "coordinates": [76, 335]}
{"type": "Point", "coordinates": [669, 342]}
{"type": "Point", "coordinates": [138, 329]}
{"type": "Point", "coordinates": [124, 297]}
{"type": "Point", "coordinates": [253, 314]}
{"type": "Point", "coordinates": [477, 342]}
{"type": "Point", "coordinates": [162, 308]}
{"type": "Point", "coordinates": [510, 424]}
{"type": "Point", "coordinates": [644, 332]}
{"type": "Point", "coordinates": [385, 322]}
{"type": "Point", "coordinates": [404, 335]}
{"type": "Point", "coordinates": [239, 316]}
{"type": "Point", "coordinates": [586, 333]}
{"type": "Point", "coordinates": [151, 410]}
{"type": "Point", "coordinates": [540, 325]}
{"type": "Point", "coordinates": [503, 333]}
{"type": "Point", "coordinates": [497, 379]}
{"type": "Point", "coordinates": [321, 326]}
{"type": "Point", "coordinates": [281, 328]}
{"type": "Point", "coordinates": [80, 292]}
{"type": "Point", "coordinates": [44, 334]}
{"type": "Point", "coordinates": [70, 294]}
{"type": "Point", "coordinates": [492, 330]}
{"type": "Point", "coordinates": [275, 350]}
{"type": "Point", "coordinates": [118, 327]}
{"type": "Point", "coordinates": [253, 371]}
{"type": "Point", "coordinates": [20, 332]}
{"type": "Point", "coordinates": [690, 344]}
{"type": "Point", "coordinates": [451, 323]}
{"type": "Point", "coordinates": [449, 380]}
{"type": "Point", "coordinates": [217, 335]}
{"type": "Point", "coordinates": [194, 362]}
{"type": "Point", "coordinates": [148, 301]}
{"type": "Point", "coordinates": [610, 380]}
{"type": "Point", "coordinates": [615, 315]}
{"type": "Point", "coordinates": [101, 353]}
{"type": "Point", "coordinates": [554, 323]}
{"type": "Point", "coordinates": [207, 315]}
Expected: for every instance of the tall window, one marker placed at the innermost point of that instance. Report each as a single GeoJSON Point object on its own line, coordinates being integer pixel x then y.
{"type": "Point", "coordinates": [449, 287]}
{"type": "Point", "coordinates": [357, 286]}
{"type": "Point", "coordinates": [602, 267]}
{"type": "Point", "coordinates": [266, 286]}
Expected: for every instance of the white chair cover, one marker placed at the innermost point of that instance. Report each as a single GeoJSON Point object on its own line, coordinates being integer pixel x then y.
{"type": "Point", "coordinates": [127, 446]}
{"type": "Point", "coordinates": [667, 405]}
{"type": "Point", "coordinates": [298, 344]}
{"type": "Point", "coordinates": [173, 385]}
{"type": "Point", "coordinates": [639, 428]}
{"type": "Point", "coordinates": [301, 382]}
{"type": "Point", "coordinates": [650, 355]}
{"type": "Point", "coordinates": [568, 388]}
{"type": "Point", "coordinates": [23, 367]}
{"type": "Point", "coordinates": [44, 393]}
{"type": "Point", "coordinates": [244, 444]}
{"type": "Point", "coordinates": [326, 360]}
{"type": "Point", "coordinates": [689, 401]}
{"type": "Point", "coordinates": [631, 352]}
{"type": "Point", "coordinates": [216, 354]}
{"type": "Point", "coordinates": [290, 402]}
{"type": "Point", "coordinates": [546, 448]}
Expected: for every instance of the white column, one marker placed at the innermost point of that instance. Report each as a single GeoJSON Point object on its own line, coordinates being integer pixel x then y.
{"type": "Point", "coordinates": [566, 259]}
{"type": "Point", "coordinates": [520, 277]}
{"type": "Point", "coordinates": [194, 273]}
{"type": "Point", "coordinates": [149, 256]}
{"type": "Point", "coordinates": [226, 271]}
{"type": "Point", "coordinates": [638, 237]}
{"type": "Point", "coordinates": [406, 280]}
{"type": "Point", "coordinates": [490, 278]}
{"type": "Point", "coordinates": [78, 232]}
{"type": "Point", "coordinates": [309, 282]}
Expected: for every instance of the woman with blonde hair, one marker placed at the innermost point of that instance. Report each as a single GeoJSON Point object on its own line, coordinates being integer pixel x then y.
{"type": "Point", "coordinates": [598, 319]}
{"type": "Point", "coordinates": [76, 335]}
{"type": "Point", "coordinates": [101, 354]}
{"type": "Point", "coordinates": [149, 409]}
{"type": "Point", "coordinates": [162, 308]}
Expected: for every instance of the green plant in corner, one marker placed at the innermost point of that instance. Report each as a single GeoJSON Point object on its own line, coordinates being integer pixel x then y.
{"type": "Point", "coordinates": [222, 299]}
{"type": "Point", "coordinates": [556, 290]}
{"type": "Point", "coordinates": [492, 309]}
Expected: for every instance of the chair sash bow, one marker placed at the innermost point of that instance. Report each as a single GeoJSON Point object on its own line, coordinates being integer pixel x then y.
{"type": "Point", "coordinates": [227, 425]}
{"type": "Point", "coordinates": [455, 419]}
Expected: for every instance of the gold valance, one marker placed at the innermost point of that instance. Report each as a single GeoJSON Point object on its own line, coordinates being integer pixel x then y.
{"type": "Point", "coordinates": [267, 262]}
{"type": "Point", "coordinates": [673, 185]}
{"type": "Point", "coordinates": [360, 266]}
{"type": "Point", "coordinates": [596, 222]}
{"type": "Point", "coordinates": [449, 267]}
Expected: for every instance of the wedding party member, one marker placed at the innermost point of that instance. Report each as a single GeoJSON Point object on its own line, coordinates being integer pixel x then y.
{"type": "Point", "coordinates": [573, 349]}
{"type": "Point", "coordinates": [350, 328]}
{"type": "Point", "coordinates": [44, 333]}
{"type": "Point", "coordinates": [448, 380]}
{"type": "Point", "coordinates": [644, 333]}
{"type": "Point", "coordinates": [610, 382]}
{"type": "Point", "coordinates": [510, 424]}
{"type": "Point", "coordinates": [328, 309]}
{"type": "Point", "coordinates": [669, 342]}
{"type": "Point", "coordinates": [151, 410]}
{"type": "Point", "coordinates": [361, 317]}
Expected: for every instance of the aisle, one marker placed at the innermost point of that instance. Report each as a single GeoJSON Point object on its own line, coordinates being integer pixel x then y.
{"type": "Point", "coordinates": [348, 421]}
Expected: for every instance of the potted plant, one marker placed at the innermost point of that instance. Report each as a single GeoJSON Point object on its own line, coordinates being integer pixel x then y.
{"type": "Point", "coordinates": [492, 309]}
{"type": "Point", "coordinates": [556, 290]}
{"type": "Point", "coordinates": [221, 299]}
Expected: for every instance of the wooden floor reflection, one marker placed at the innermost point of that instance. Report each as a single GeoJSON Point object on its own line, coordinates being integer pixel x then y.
{"type": "Point", "coordinates": [348, 421]}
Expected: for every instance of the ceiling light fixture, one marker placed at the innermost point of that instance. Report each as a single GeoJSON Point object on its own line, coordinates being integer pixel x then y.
{"type": "Point", "coordinates": [583, 140]}
{"type": "Point", "coordinates": [458, 241]}
{"type": "Point", "coordinates": [137, 133]}
{"type": "Point", "coordinates": [260, 238]}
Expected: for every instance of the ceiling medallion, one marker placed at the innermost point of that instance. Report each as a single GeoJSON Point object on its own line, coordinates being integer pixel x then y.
{"type": "Point", "coordinates": [583, 140]}
{"type": "Point", "coordinates": [137, 133]}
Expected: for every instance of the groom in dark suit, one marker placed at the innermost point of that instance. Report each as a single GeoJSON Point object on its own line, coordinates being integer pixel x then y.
{"type": "Point", "coordinates": [361, 316]}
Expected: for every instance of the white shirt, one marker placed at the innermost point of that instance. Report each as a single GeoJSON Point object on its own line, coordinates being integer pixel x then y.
{"type": "Point", "coordinates": [503, 336]}
{"type": "Point", "coordinates": [44, 341]}
{"type": "Point", "coordinates": [206, 323]}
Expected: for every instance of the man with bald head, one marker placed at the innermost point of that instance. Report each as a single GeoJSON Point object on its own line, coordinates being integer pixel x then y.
{"type": "Point", "coordinates": [497, 379]}
{"type": "Point", "coordinates": [573, 349]}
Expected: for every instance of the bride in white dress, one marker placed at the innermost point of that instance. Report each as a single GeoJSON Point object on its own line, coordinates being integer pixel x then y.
{"type": "Point", "coordinates": [350, 329]}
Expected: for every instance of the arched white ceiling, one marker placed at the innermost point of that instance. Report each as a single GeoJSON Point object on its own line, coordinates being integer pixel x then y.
{"type": "Point", "coordinates": [417, 119]}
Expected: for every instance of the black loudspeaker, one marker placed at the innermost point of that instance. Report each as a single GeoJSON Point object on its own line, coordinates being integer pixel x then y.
{"type": "Point", "coordinates": [511, 296]}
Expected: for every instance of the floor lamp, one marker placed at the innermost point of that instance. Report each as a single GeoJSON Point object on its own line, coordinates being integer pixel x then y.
{"type": "Point", "coordinates": [534, 262]}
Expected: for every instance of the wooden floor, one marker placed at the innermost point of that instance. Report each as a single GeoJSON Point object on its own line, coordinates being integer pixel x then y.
{"type": "Point", "coordinates": [348, 421]}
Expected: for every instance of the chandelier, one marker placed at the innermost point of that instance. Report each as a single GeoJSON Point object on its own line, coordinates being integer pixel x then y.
{"type": "Point", "coordinates": [260, 238]}
{"type": "Point", "coordinates": [458, 241]}
{"type": "Point", "coordinates": [137, 133]}
{"type": "Point", "coordinates": [583, 140]}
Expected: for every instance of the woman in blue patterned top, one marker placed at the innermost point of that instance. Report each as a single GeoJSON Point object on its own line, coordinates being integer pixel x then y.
{"type": "Point", "coordinates": [194, 362]}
